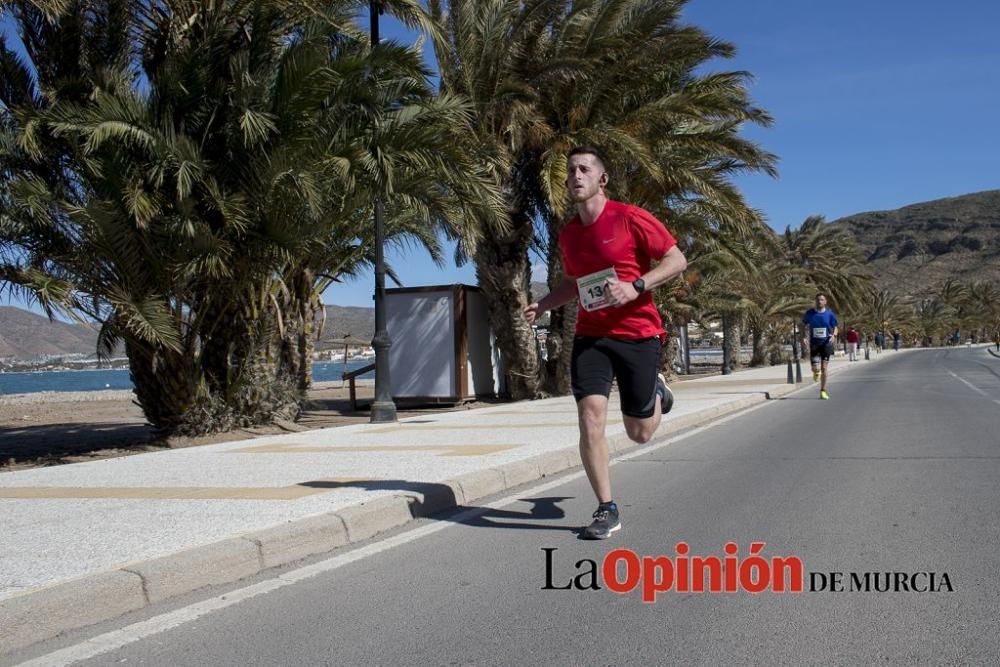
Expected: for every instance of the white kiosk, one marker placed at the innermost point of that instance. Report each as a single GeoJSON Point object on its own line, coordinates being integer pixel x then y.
{"type": "Point", "coordinates": [443, 349]}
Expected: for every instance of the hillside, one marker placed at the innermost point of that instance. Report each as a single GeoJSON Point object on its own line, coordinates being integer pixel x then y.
{"type": "Point", "coordinates": [916, 248]}
{"type": "Point", "coordinates": [358, 322]}
{"type": "Point", "coordinates": [25, 335]}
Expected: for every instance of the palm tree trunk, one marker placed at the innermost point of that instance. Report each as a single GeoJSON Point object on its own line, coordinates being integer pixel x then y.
{"type": "Point", "coordinates": [248, 379]}
{"type": "Point", "coordinates": [504, 272]}
{"type": "Point", "coordinates": [164, 384]}
{"type": "Point", "coordinates": [759, 344]}
{"type": "Point", "coordinates": [672, 348]}
{"type": "Point", "coordinates": [731, 339]}
{"type": "Point", "coordinates": [773, 349]}
{"type": "Point", "coordinates": [562, 324]}
{"type": "Point", "coordinates": [299, 340]}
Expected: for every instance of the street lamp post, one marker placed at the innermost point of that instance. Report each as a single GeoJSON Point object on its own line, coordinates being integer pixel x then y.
{"type": "Point", "coordinates": [726, 367]}
{"type": "Point", "coordinates": [795, 352]}
{"type": "Point", "coordinates": [383, 409]}
{"type": "Point", "coordinates": [687, 348]}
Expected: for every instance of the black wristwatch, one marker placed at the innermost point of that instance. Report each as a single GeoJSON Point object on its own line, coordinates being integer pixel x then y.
{"type": "Point", "coordinates": [639, 284]}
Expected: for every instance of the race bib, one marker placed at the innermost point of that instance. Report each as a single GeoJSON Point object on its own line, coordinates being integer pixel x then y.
{"type": "Point", "coordinates": [819, 332]}
{"type": "Point", "coordinates": [593, 289]}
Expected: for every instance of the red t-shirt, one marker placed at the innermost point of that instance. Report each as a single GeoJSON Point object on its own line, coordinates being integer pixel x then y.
{"type": "Point", "coordinates": [627, 238]}
{"type": "Point", "coordinates": [853, 337]}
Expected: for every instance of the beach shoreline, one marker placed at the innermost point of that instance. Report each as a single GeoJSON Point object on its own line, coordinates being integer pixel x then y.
{"type": "Point", "coordinates": [122, 394]}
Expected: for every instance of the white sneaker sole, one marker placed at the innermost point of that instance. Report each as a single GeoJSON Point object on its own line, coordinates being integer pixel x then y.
{"type": "Point", "coordinates": [610, 530]}
{"type": "Point", "coordinates": [668, 397]}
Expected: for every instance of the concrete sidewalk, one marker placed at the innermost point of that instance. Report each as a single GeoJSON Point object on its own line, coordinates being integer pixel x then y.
{"type": "Point", "coordinates": [87, 542]}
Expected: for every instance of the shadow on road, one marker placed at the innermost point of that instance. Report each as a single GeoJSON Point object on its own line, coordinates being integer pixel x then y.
{"type": "Point", "coordinates": [441, 496]}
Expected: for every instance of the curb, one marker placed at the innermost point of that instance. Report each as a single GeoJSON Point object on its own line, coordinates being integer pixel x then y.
{"type": "Point", "coordinates": [45, 613]}
{"type": "Point", "coordinates": [993, 353]}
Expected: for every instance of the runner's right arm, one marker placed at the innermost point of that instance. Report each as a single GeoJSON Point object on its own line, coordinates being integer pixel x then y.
{"type": "Point", "coordinates": [562, 294]}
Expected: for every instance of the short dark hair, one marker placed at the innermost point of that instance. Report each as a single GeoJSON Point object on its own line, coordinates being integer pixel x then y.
{"type": "Point", "coordinates": [587, 150]}
{"type": "Point", "coordinates": [822, 294]}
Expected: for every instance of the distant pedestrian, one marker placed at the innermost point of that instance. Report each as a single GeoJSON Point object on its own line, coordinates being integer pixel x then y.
{"type": "Point", "coordinates": [896, 338]}
{"type": "Point", "coordinates": [996, 339]}
{"type": "Point", "coordinates": [820, 329]}
{"type": "Point", "coordinates": [853, 338]}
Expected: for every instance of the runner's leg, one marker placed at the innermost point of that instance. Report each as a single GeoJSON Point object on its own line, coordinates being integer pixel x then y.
{"type": "Point", "coordinates": [640, 430]}
{"type": "Point", "coordinates": [636, 365]}
{"type": "Point", "coordinates": [592, 374]}
{"type": "Point", "coordinates": [593, 413]}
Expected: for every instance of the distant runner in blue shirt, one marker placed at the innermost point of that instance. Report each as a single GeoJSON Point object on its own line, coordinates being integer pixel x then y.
{"type": "Point", "coordinates": [819, 325]}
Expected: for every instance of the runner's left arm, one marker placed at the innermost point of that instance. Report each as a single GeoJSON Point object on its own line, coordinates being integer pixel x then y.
{"type": "Point", "coordinates": [653, 239]}
{"type": "Point", "coordinates": [670, 266]}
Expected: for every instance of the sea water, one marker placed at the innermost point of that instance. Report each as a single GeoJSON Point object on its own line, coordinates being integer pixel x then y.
{"type": "Point", "coordinates": [101, 379]}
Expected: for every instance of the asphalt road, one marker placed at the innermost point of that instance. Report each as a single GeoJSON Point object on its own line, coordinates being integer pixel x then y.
{"type": "Point", "coordinates": [897, 473]}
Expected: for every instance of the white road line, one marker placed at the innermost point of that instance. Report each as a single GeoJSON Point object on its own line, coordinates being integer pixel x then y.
{"type": "Point", "coordinates": [116, 639]}
{"type": "Point", "coordinates": [974, 387]}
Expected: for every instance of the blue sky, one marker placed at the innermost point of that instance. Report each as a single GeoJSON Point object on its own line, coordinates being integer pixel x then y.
{"type": "Point", "coordinates": [876, 105]}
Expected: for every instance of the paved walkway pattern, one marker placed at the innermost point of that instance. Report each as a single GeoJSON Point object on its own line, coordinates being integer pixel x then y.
{"type": "Point", "coordinates": [86, 542]}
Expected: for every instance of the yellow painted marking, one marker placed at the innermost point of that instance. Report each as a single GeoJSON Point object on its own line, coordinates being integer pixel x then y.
{"type": "Point", "coordinates": [174, 493]}
{"type": "Point", "coordinates": [465, 427]}
{"type": "Point", "coordinates": [521, 413]}
{"type": "Point", "coordinates": [708, 385]}
{"type": "Point", "coordinates": [443, 450]}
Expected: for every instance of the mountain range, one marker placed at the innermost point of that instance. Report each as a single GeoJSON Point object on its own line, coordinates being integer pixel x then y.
{"type": "Point", "coordinates": [914, 249]}
{"type": "Point", "coordinates": [25, 335]}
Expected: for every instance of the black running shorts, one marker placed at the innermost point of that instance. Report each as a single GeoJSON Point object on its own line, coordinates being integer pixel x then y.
{"type": "Point", "coordinates": [821, 352]}
{"type": "Point", "coordinates": [634, 363]}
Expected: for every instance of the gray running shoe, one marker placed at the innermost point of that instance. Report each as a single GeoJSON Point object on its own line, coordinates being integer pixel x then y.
{"type": "Point", "coordinates": [666, 396]}
{"type": "Point", "coordinates": [606, 521]}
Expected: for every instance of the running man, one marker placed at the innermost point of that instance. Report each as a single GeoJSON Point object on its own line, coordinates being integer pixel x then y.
{"type": "Point", "coordinates": [607, 251]}
{"type": "Point", "coordinates": [819, 325]}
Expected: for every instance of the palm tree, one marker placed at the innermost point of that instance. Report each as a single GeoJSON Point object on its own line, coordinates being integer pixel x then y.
{"type": "Point", "coordinates": [775, 302]}
{"type": "Point", "coordinates": [827, 258]}
{"type": "Point", "coordinates": [209, 180]}
{"type": "Point", "coordinates": [931, 319]}
{"type": "Point", "coordinates": [984, 302]}
{"type": "Point", "coordinates": [670, 135]}
{"type": "Point", "coordinates": [547, 75]}
{"type": "Point", "coordinates": [885, 312]}
{"type": "Point", "coordinates": [954, 296]}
